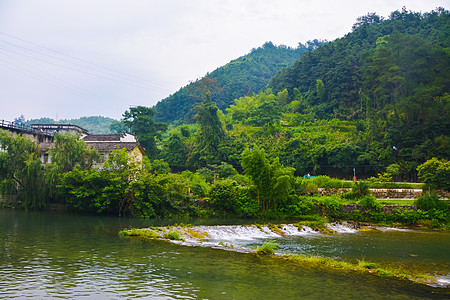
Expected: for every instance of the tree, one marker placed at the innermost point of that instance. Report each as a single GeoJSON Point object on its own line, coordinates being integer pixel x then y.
{"type": "Point", "coordinates": [21, 172]}
{"type": "Point", "coordinates": [435, 173]}
{"type": "Point", "coordinates": [140, 122]}
{"type": "Point", "coordinates": [256, 166]}
{"type": "Point", "coordinates": [211, 134]}
{"type": "Point", "coordinates": [176, 153]}
{"type": "Point", "coordinates": [267, 112]}
{"type": "Point", "coordinates": [117, 127]}
{"type": "Point", "coordinates": [66, 152]}
{"type": "Point", "coordinates": [104, 190]}
{"type": "Point", "coordinates": [69, 150]}
{"type": "Point", "coordinates": [224, 195]}
{"type": "Point", "coordinates": [272, 181]}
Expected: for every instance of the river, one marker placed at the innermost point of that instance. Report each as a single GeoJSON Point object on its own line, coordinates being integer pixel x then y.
{"type": "Point", "coordinates": [55, 255]}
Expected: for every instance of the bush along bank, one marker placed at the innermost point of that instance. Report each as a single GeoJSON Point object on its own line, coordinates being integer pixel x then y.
{"type": "Point", "coordinates": [127, 186]}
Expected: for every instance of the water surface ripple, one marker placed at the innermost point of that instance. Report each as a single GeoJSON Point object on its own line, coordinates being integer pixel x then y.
{"type": "Point", "coordinates": [49, 255]}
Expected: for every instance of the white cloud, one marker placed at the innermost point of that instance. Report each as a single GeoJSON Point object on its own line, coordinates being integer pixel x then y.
{"type": "Point", "coordinates": [166, 43]}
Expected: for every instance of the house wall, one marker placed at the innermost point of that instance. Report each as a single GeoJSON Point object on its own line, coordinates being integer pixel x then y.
{"type": "Point", "coordinates": [128, 138]}
{"type": "Point", "coordinates": [136, 155]}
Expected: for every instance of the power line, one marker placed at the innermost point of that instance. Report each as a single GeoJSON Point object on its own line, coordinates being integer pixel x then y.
{"type": "Point", "coordinates": [44, 54]}
{"type": "Point", "coordinates": [58, 83]}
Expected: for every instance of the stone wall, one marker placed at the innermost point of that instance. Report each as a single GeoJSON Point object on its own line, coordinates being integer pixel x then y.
{"type": "Point", "coordinates": [387, 209]}
{"type": "Point", "coordinates": [388, 193]}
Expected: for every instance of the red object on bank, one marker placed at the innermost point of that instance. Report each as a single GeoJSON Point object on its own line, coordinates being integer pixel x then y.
{"type": "Point", "coordinates": [354, 178]}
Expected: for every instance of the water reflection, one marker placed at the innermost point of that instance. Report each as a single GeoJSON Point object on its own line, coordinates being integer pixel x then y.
{"type": "Point", "coordinates": [45, 255]}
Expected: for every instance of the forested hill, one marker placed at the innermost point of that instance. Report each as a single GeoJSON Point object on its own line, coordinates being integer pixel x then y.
{"type": "Point", "coordinates": [95, 125]}
{"type": "Point", "coordinates": [395, 65]}
{"type": "Point", "coordinates": [390, 75]}
{"type": "Point", "coordinates": [243, 76]}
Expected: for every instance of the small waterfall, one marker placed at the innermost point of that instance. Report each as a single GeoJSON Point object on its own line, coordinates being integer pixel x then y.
{"type": "Point", "coordinates": [251, 232]}
{"type": "Point", "coordinates": [442, 281]}
{"type": "Point", "coordinates": [341, 228]}
{"type": "Point", "coordinates": [236, 232]}
{"type": "Point", "coordinates": [290, 229]}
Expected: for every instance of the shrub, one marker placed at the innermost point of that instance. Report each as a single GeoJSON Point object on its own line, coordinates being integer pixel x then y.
{"type": "Point", "coordinates": [435, 173]}
{"type": "Point", "coordinates": [330, 206]}
{"type": "Point", "coordinates": [428, 202]}
{"type": "Point", "coordinates": [298, 205]}
{"type": "Point", "coordinates": [223, 194]}
{"type": "Point", "coordinates": [408, 217]}
{"type": "Point", "coordinates": [309, 188]}
{"type": "Point", "coordinates": [160, 166]}
{"type": "Point", "coordinates": [369, 202]}
{"type": "Point", "coordinates": [360, 189]}
{"type": "Point", "coordinates": [248, 206]}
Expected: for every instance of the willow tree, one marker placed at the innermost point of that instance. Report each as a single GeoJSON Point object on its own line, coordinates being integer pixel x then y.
{"type": "Point", "coordinates": [66, 152]}
{"type": "Point", "coordinates": [21, 172]}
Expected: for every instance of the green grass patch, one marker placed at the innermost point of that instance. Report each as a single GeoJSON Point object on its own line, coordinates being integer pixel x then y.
{"type": "Point", "coordinates": [393, 185]}
{"type": "Point", "coordinates": [362, 266]}
{"type": "Point", "coordinates": [267, 248]}
{"type": "Point", "coordinates": [275, 228]}
{"type": "Point", "coordinates": [197, 235]}
{"type": "Point", "coordinates": [173, 235]}
{"type": "Point", "coordinates": [149, 233]}
{"type": "Point", "coordinates": [143, 233]}
{"type": "Point", "coordinates": [396, 202]}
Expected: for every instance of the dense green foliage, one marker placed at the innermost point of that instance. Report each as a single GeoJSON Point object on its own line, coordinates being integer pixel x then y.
{"type": "Point", "coordinates": [21, 174]}
{"type": "Point", "coordinates": [125, 187]}
{"type": "Point", "coordinates": [393, 74]}
{"type": "Point", "coordinates": [435, 173]}
{"type": "Point", "coordinates": [140, 122]}
{"type": "Point", "coordinates": [211, 134]}
{"type": "Point", "coordinates": [273, 182]}
{"type": "Point", "coordinates": [240, 77]}
{"type": "Point", "coordinates": [95, 125]}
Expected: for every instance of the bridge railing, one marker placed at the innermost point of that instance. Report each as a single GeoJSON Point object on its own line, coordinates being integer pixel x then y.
{"type": "Point", "coordinates": [24, 128]}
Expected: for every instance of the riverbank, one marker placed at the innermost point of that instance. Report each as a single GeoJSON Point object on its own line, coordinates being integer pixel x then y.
{"type": "Point", "coordinates": [218, 237]}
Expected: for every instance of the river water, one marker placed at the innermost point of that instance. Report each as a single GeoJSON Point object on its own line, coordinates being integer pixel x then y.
{"type": "Point", "coordinates": [53, 255]}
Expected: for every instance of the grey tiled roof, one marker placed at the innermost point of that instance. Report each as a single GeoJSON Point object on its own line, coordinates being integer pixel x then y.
{"type": "Point", "coordinates": [110, 146]}
{"type": "Point", "coordinates": [102, 138]}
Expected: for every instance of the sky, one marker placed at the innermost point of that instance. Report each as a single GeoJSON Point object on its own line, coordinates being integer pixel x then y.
{"type": "Point", "coordinates": [74, 58]}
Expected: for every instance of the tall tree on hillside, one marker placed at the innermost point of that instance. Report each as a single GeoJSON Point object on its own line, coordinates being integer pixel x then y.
{"type": "Point", "coordinates": [140, 122]}
{"type": "Point", "coordinates": [211, 135]}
